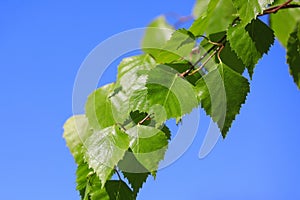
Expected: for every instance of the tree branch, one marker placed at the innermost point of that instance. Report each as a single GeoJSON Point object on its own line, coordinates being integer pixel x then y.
{"type": "Point", "coordinates": [275, 9]}
{"type": "Point", "coordinates": [143, 120]}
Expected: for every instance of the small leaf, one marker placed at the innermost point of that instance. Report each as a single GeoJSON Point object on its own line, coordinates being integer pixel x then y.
{"type": "Point", "coordinates": [104, 149]}
{"type": "Point", "coordinates": [118, 190]}
{"type": "Point", "coordinates": [219, 14]}
{"type": "Point", "coordinates": [96, 190]}
{"type": "Point", "coordinates": [131, 81]}
{"type": "Point", "coordinates": [284, 22]}
{"type": "Point", "coordinates": [148, 145]}
{"type": "Point", "coordinates": [131, 65]}
{"type": "Point", "coordinates": [133, 171]}
{"type": "Point", "coordinates": [76, 130]}
{"type": "Point", "coordinates": [227, 55]}
{"type": "Point", "coordinates": [200, 25]}
{"type": "Point", "coordinates": [88, 183]}
{"type": "Point", "coordinates": [262, 36]}
{"type": "Point", "coordinates": [250, 9]}
{"type": "Point", "coordinates": [98, 108]}
{"type": "Point", "coordinates": [178, 47]}
{"type": "Point", "coordinates": [250, 42]}
{"type": "Point", "coordinates": [82, 174]}
{"type": "Point", "coordinates": [293, 54]}
{"type": "Point", "coordinates": [221, 93]}
{"type": "Point", "coordinates": [156, 35]}
{"type": "Point", "coordinates": [169, 95]}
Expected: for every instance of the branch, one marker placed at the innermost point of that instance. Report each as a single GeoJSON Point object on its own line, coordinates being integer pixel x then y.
{"type": "Point", "coordinates": [206, 61]}
{"type": "Point", "coordinates": [143, 120]}
{"type": "Point", "coordinates": [216, 47]}
{"type": "Point", "coordinates": [275, 9]}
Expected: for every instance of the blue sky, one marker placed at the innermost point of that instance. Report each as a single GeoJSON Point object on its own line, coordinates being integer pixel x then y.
{"type": "Point", "coordinates": [42, 45]}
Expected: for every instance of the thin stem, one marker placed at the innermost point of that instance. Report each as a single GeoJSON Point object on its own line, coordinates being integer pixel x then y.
{"type": "Point", "coordinates": [122, 127]}
{"type": "Point", "coordinates": [206, 61]}
{"type": "Point", "coordinates": [215, 44]}
{"type": "Point", "coordinates": [219, 53]}
{"type": "Point", "coordinates": [281, 6]}
{"type": "Point", "coordinates": [184, 74]}
{"type": "Point", "coordinates": [143, 120]}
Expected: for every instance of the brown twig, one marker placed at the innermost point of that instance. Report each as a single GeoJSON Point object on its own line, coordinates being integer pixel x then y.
{"type": "Point", "coordinates": [143, 120]}
{"type": "Point", "coordinates": [281, 6]}
{"type": "Point", "coordinates": [206, 61]}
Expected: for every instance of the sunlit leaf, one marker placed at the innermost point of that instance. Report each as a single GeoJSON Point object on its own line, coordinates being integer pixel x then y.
{"type": "Point", "coordinates": [168, 94]}
{"type": "Point", "coordinates": [248, 10]}
{"type": "Point", "coordinates": [104, 149]}
{"type": "Point", "coordinates": [284, 22]}
{"type": "Point", "coordinates": [156, 35]}
{"type": "Point", "coordinates": [148, 145]}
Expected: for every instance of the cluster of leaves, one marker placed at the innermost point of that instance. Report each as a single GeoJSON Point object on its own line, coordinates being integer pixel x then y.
{"type": "Point", "coordinates": [123, 131]}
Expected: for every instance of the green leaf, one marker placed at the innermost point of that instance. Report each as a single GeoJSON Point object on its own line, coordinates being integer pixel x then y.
{"type": "Point", "coordinates": [131, 81]}
{"type": "Point", "coordinates": [138, 100]}
{"type": "Point", "coordinates": [221, 93]}
{"type": "Point", "coordinates": [133, 171]}
{"type": "Point", "coordinates": [148, 145]}
{"type": "Point", "coordinates": [227, 55]}
{"type": "Point", "coordinates": [130, 66]}
{"type": "Point", "coordinates": [104, 149]}
{"type": "Point", "coordinates": [118, 190]}
{"type": "Point", "coordinates": [98, 108]}
{"type": "Point", "coordinates": [178, 47]}
{"type": "Point", "coordinates": [96, 190]}
{"type": "Point", "coordinates": [219, 14]}
{"type": "Point", "coordinates": [88, 184]}
{"type": "Point", "coordinates": [181, 67]}
{"type": "Point", "coordinates": [200, 7]}
{"type": "Point", "coordinates": [76, 130]}
{"type": "Point", "coordinates": [262, 36]}
{"type": "Point", "coordinates": [169, 95]}
{"type": "Point", "coordinates": [156, 35]}
{"type": "Point", "coordinates": [293, 54]}
{"type": "Point", "coordinates": [82, 174]}
{"type": "Point", "coordinates": [250, 42]}
{"type": "Point", "coordinates": [284, 22]}
{"type": "Point", "coordinates": [136, 180]}
{"type": "Point", "coordinates": [248, 10]}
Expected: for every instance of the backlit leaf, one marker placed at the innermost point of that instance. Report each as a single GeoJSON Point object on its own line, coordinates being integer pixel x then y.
{"type": "Point", "coordinates": [148, 145]}
{"type": "Point", "coordinates": [104, 149]}
{"type": "Point", "coordinates": [156, 35]}
{"type": "Point", "coordinates": [98, 108]}
{"type": "Point", "coordinates": [76, 130]}
{"type": "Point", "coordinates": [249, 9]}
{"type": "Point", "coordinates": [219, 14]}
{"type": "Point", "coordinates": [168, 94]}
{"type": "Point", "coordinates": [284, 22]}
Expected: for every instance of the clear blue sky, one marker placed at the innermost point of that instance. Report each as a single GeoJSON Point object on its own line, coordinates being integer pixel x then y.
{"type": "Point", "coordinates": [42, 45]}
